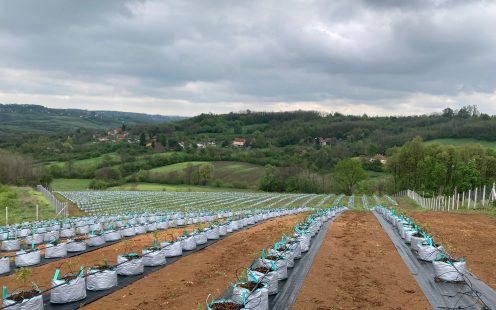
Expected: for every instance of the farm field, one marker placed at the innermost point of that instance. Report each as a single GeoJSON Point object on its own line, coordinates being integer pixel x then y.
{"type": "Point", "coordinates": [200, 274]}
{"type": "Point", "coordinates": [460, 142]}
{"type": "Point", "coordinates": [357, 267]}
{"type": "Point", "coordinates": [236, 174]}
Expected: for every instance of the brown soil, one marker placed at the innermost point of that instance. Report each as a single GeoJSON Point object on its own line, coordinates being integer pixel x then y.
{"type": "Point", "coordinates": [69, 277]}
{"type": "Point", "coordinates": [131, 257]}
{"type": "Point", "coordinates": [251, 285]}
{"type": "Point", "coordinates": [187, 283]}
{"type": "Point", "coordinates": [42, 275]}
{"type": "Point", "coordinates": [272, 257]}
{"type": "Point", "coordinates": [262, 270]}
{"type": "Point", "coordinates": [23, 295]}
{"type": "Point", "coordinates": [226, 306]}
{"type": "Point", "coordinates": [101, 267]}
{"type": "Point", "coordinates": [357, 267]}
{"type": "Point", "coordinates": [468, 236]}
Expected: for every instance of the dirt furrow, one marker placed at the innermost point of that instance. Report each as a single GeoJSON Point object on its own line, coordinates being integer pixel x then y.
{"type": "Point", "coordinates": [357, 267]}
{"type": "Point", "coordinates": [186, 283]}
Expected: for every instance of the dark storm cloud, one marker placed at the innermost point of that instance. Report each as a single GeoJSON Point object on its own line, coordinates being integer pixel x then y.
{"type": "Point", "coordinates": [186, 57]}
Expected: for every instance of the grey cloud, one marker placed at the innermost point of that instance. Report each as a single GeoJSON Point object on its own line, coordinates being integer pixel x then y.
{"type": "Point", "coordinates": [210, 54]}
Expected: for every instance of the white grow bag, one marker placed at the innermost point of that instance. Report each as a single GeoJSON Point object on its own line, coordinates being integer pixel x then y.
{"type": "Point", "coordinates": [282, 267]}
{"type": "Point", "coordinates": [201, 238]}
{"type": "Point", "coordinates": [257, 300]}
{"type": "Point", "coordinates": [35, 303]}
{"type": "Point", "coordinates": [213, 233]}
{"type": "Point", "coordinates": [24, 259]}
{"type": "Point", "coordinates": [140, 230]}
{"type": "Point", "coordinates": [128, 232]}
{"type": "Point", "coordinates": [36, 239]}
{"type": "Point", "coordinates": [222, 230]}
{"type": "Point", "coordinates": [304, 242]}
{"type": "Point", "coordinates": [76, 246]}
{"type": "Point", "coordinates": [430, 253]}
{"type": "Point", "coordinates": [453, 272]}
{"type": "Point", "coordinates": [11, 245]}
{"type": "Point", "coordinates": [95, 240]}
{"type": "Point", "coordinates": [4, 265]}
{"type": "Point", "coordinates": [188, 243]}
{"type": "Point", "coordinates": [112, 236]}
{"type": "Point", "coordinates": [83, 229]}
{"type": "Point", "coordinates": [162, 225]}
{"type": "Point", "coordinates": [269, 278]}
{"type": "Point", "coordinates": [296, 248]}
{"type": "Point", "coordinates": [67, 233]}
{"type": "Point", "coordinates": [99, 280]}
{"type": "Point", "coordinates": [171, 249]}
{"type": "Point", "coordinates": [51, 235]}
{"type": "Point", "coordinates": [153, 258]}
{"type": "Point", "coordinates": [55, 251]}
{"type": "Point", "coordinates": [71, 291]}
{"type": "Point", "coordinates": [129, 267]}
{"type": "Point", "coordinates": [288, 256]}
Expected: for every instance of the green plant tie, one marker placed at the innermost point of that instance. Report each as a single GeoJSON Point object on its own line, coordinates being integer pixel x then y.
{"type": "Point", "coordinates": [263, 254]}
{"type": "Point", "coordinates": [56, 275]}
{"type": "Point", "coordinates": [252, 276]}
{"type": "Point", "coordinates": [155, 243]}
{"type": "Point", "coordinates": [274, 266]}
{"type": "Point", "coordinates": [81, 270]}
{"type": "Point", "coordinates": [4, 293]}
{"type": "Point", "coordinates": [276, 246]}
{"type": "Point", "coordinates": [32, 246]}
{"type": "Point", "coordinates": [243, 298]}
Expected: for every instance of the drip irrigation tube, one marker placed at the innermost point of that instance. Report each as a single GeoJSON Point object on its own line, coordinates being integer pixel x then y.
{"type": "Point", "coordinates": [441, 295]}
{"type": "Point", "coordinates": [123, 281]}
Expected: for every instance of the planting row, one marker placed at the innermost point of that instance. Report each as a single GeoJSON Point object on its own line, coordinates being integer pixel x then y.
{"type": "Point", "coordinates": [106, 202]}
{"type": "Point", "coordinates": [264, 274]}
{"type": "Point", "coordinates": [73, 286]}
{"type": "Point", "coordinates": [446, 268]}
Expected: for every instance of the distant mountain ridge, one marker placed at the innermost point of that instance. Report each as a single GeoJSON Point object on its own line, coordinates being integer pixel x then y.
{"type": "Point", "coordinates": [23, 119]}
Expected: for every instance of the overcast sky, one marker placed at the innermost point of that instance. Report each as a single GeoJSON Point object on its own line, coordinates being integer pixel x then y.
{"type": "Point", "coordinates": [187, 57]}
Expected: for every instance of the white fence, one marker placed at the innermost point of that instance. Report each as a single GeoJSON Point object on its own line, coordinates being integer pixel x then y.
{"type": "Point", "coordinates": [480, 197]}
{"type": "Point", "coordinates": [60, 207]}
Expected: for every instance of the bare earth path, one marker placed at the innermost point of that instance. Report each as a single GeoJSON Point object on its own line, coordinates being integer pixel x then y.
{"type": "Point", "coordinates": [187, 283]}
{"type": "Point", "coordinates": [357, 267]}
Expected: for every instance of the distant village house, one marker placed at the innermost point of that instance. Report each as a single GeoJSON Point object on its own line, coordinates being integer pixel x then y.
{"type": "Point", "coordinates": [239, 142]}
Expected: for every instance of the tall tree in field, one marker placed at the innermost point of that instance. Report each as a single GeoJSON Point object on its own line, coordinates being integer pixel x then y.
{"type": "Point", "coordinates": [348, 173]}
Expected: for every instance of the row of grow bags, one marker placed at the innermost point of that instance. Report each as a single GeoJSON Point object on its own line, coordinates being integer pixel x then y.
{"type": "Point", "coordinates": [98, 281]}
{"type": "Point", "coordinates": [446, 268]}
{"type": "Point", "coordinates": [266, 273]}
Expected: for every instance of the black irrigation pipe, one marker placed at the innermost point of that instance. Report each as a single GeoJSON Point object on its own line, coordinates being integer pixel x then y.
{"type": "Point", "coordinates": [441, 295]}
{"type": "Point", "coordinates": [44, 261]}
{"type": "Point", "coordinates": [123, 281]}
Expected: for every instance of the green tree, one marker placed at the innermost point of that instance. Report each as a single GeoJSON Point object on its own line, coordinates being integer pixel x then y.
{"type": "Point", "coordinates": [348, 173]}
{"type": "Point", "coordinates": [206, 173]}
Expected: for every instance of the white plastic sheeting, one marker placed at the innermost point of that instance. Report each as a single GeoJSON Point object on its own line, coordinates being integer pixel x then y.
{"type": "Point", "coordinates": [55, 251]}
{"type": "Point", "coordinates": [35, 303]}
{"type": "Point", "coordinates": [98, 280]}
{"type": "Point", "coordinates": [129, 267]}
{"type": "Point", "coordinates": [153, 258]}
{"type": "Point", "coordinates": [23, 258]}
{"type": "Point", "coordinates": [71, 291]}
{"type": "Point", "coordinates": [450, 272]}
